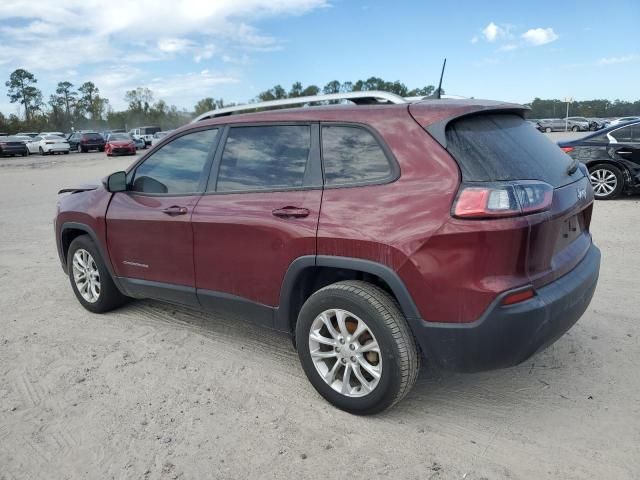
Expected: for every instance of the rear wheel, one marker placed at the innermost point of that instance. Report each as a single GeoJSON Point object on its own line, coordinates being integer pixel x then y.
{"type": "Point", "coordinates": [41, 151]}
{"type": "Point", "coordinates": [607, 181]}
{"type": "Point", "coordinates": [574, 128]}
{"type": "Point", "coordinates": [548, 129]}
{"type": "Point", "coordinates": [356, 348]}
{"type": "Point", "coordinates": [80, 150]}
{"type": "Point", "coordinates": [90, 279]}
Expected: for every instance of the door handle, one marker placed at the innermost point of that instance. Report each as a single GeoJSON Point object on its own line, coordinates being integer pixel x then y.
{"type": "Point", "coordinates": [175, 210]}
{"type": "Point", "coordinates": [291, 212]}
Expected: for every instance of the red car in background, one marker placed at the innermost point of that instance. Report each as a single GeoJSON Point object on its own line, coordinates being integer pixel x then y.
{"type": "Point", "coordinates": [119, 144]}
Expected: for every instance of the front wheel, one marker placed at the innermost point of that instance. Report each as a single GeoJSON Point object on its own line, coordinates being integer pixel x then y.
{"type": "Point", "coordinates": [574, 129]}
{"type": "Point", "coordinates": [548, 129]}
{"type": "Point", "coordinates": [90, 279]}
{"type": "Point", "coordinates": [607, 181]}
{"type": "Point", "coordinates": [356, 348]}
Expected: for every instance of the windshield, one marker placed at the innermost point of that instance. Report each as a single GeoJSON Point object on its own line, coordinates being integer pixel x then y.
{"type": "Point", "coordinates": [119, 137]}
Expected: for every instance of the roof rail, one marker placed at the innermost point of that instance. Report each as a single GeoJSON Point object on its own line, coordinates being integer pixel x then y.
{"type": "Point", "coordinates": [359, 98]}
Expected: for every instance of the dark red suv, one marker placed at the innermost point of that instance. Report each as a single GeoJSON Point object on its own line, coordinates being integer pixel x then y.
{"type": "Point", "coordinates": [375, 235]}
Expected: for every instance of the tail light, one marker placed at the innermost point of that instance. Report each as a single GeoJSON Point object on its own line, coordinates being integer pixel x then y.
{"type": "Point", "coordinates": [498, 200]}
{"type": "Point", "coordinates": [567, 149]}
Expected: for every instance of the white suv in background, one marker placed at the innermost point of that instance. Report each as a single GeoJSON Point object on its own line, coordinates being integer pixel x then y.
{"type": "Point", "coordinates": [145, 133]}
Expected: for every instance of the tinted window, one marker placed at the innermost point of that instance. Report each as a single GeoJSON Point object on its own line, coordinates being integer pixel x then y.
{"type": "Point", "coordinates": [177, 167]}
{"type": "Point", "coordinates": [269, 157]}
{"type": "Point", "coordinates": [497, 147]}
{"type": "Point", "coordinates": [351, 155]}
{"type": "Point", "coordinates": [624, 134]}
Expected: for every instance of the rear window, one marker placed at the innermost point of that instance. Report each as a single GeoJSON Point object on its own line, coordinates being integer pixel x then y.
{"type": "Point", "coordinates": [92, 136]}
{"type": "Point", "coordinates": [502, 147]}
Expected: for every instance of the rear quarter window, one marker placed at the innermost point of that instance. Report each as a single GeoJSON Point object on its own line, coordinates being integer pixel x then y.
{"type": "Point", "coordinates": [352, 155]}
{"type": "Point", "coordinates": [503, 147]}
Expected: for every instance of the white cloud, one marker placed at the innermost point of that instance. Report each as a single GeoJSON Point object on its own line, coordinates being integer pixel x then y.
{"type": "Point", "coordinates": [493, 32]}
{"type": "Point", "coordinates": [509, 47]}
{"type": "Point", "coordinates": [474, 39]}
{"type": "Point", "coordinates": [174, 45]}
{"type": "Point", "coordinates": [205, 52]}
{"type": "Point", "coordinates": [616, 60]}
{"type": "Point", "coordinates": [539, 36]}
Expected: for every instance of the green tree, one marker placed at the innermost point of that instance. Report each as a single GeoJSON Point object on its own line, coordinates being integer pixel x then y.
{"type": "Point", "coordinates": [21, 89]}
{"type": "Point", "coordinates": [207, 104]}
{"type": "Point", "coordinates": [91, 102]}
{"type": "Point", "coordinates": [331, 87]}
{"type": "Point", "coordinates": [139, 100]}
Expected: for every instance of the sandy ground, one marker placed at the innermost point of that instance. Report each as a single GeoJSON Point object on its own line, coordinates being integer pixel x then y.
{"type": "Point", "coordinates": [157, 391]}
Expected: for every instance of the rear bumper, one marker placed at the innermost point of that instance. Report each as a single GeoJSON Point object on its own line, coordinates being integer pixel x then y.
{"type": "Point", "coordinates": [508, 335]}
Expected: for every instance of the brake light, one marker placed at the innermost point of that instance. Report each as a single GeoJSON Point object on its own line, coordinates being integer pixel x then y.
{"type": "Point", "coordinates": [509, 199]}
{"type": "Point", "coordinates": [567, 149]}
{"type": "Point", "coordinates": [519, 296]}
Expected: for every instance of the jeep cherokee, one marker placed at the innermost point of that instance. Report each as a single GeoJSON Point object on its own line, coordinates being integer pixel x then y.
{"type": "Point", "coordinates": [376, 235]}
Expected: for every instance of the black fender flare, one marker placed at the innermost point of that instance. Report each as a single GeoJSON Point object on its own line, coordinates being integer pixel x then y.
{"type": "Point", "coordinates": [103, 252]}
{"type": "Point", "coordinates": [290, 281]}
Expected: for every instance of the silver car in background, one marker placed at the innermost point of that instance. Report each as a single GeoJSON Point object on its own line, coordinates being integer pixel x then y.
{"type": "Point", "coordinates": [158, 136]}
{"type": "Point", "coordinates": [562, 124]}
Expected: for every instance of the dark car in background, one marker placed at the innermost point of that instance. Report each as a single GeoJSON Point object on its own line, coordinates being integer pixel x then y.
{"type": "Point", "coordinates": [85, 141]}
{"type": "Point", "coordinates": [13, 146]}
{"type": "Point", "coordinates": [612, 156]}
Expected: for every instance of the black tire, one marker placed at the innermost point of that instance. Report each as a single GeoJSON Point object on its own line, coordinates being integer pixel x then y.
{"type": "Point", "coordinates": [109, 297]}
{"type": "Point", "coordinates": [80, 149]}
{"type": "Point", "coordinates": [41, 150]}
{"type": "Point", "coordinates": [66, 152]}
{"type": "Point", "coordinates": [619, 180]}
{"type": "Point", "coordinates": [400, 355]}
{"type": "Point", "coordinates": [574, 128]}
{"type": "Point", "coordinates": [548, 130]}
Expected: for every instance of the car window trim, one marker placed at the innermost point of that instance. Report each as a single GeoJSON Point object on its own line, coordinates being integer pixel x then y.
{"type": "Point", "coordinates": [394, 173]}
{"type": "Point", "coordinates": [313, 174]}
{"type": "Point", "coordinates": [205, 169]}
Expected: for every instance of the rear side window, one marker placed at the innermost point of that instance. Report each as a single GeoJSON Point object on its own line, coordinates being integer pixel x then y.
{"type": "Point", "coordinates": [92, 136]}
{"type": "Point", "coordinates": [264, 158]}
{"type": "Point", "coordinates": [352, 155]}
{"type": "Point", "coordinates": [177, 167]}
{"type": "Point", "coordinates": [502, 147]}
{"type": "Point", "coordinates": [630, 133]}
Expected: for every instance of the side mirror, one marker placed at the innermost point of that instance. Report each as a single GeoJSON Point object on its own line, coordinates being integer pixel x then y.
{"type": "Point", "coordinates": [117, 182]}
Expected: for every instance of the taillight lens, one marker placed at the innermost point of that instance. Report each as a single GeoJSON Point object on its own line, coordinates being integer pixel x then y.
{"type": "Point", "coordinates": [496, 200]}
{"type": "Point", "coordinates": [519, 296]}
{"type": "Point", "coordinates": [567, 149]}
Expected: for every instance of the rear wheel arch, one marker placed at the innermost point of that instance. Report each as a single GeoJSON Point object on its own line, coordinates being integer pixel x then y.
{"type": "Point", "coordinates": [306, 275]}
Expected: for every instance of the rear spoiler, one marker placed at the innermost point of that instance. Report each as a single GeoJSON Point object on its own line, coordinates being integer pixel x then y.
{"type": "Point", "coordinates": [435, 115]}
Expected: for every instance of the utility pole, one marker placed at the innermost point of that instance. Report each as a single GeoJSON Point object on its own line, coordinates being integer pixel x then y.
{"type": "Point", "coordinates": [566, 117]}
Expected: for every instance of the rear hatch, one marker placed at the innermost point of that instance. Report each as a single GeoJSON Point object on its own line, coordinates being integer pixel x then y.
{"type": "Point", "coordinates": [502, 151]}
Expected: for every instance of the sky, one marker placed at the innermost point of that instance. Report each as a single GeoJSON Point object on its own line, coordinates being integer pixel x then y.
{"type": "Point", "coordinates": [185, 50]}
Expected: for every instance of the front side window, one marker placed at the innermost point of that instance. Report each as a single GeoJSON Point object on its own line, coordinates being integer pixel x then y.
{"type": "Point", "coordinates": [264, 158]}
{"type": "Point", "coordinates": [352, 155]}
{"type": "Point", "coordinates": [177, 167]}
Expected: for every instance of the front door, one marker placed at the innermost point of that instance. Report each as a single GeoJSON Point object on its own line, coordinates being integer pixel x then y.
{"type": "Point", "coordinates": [149, 231]}
{"type": "Point", "coordinates": [258, 217]}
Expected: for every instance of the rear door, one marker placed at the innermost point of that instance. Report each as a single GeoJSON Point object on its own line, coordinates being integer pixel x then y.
{"type": "Point", "coordinates": [627, 143]}
{"type": "Point", "coordinates": [259, 214]}
{"type": "Point", "coordinates": [149, 232]}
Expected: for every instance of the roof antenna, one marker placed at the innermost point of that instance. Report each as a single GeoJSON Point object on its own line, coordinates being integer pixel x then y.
{"type": "Point", "coordinates": [439, 91]}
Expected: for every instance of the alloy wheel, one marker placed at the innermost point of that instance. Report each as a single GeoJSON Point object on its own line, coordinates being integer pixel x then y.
{"type": "Point", "coordinates": [86, 275]}
{"type": "Point", "coordinates": [345, 353]}
{"type": "Point", "coordinates": [604, 182]}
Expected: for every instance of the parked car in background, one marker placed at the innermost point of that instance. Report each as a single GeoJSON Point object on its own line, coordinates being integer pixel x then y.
{"type": "Point", "coordinates": [119, 144]}
{"type": "Point", "coordinates": [24, 138]}
{"type": "Point", "coordinates": [85, 141]}
{"type": "Point", "coordinates": [158, 136]}
{"type": "Point", "coordinates": [59, 134]}
{"type": "Point", "coordinates": [140, 143]}
{"type": "Point", "coordinates": [48, 145]}
{"type": "Point", "coordinates": [146, 133]}
{"type": "Point", "coordinates": [26, 134]}
{"type": "Point", "coordinates": [612, 156]}
{"type": "Point", "coordinates": [560, 125]}
{"type": "Point", "coordinates": [11, 146]}
{"type": "Point", "coordinates": [373, 236]}
{"type": "Point", "coordinates": [592, 123]}
{"type": "Point", "coordinates": [618, 121]}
